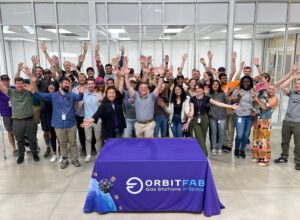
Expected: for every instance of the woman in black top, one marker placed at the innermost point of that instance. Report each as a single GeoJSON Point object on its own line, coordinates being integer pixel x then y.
{"type": "Point", "coordinates": [111, 114]}
{"type": "Point", "coordinates": [199, 106]}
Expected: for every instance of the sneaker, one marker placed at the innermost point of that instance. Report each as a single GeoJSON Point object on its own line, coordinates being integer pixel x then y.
{"type": "Point", "coordinates": [35, 157]}
{"type": "Point", "coordinates": [64, 164]}
{"type": "Point", "coordinates": [94, 152]}
{"type": "Point", "coordinates": [60, 159]}
{"type": "Point", "coordinates": [243, 154]}
{"type": "Point", "coordinates": [88, 158]}
{"type": "Point", "coordinates": [82, 153]}
{"type": "Point", "coordinates": [48, 152]}
{"type": "Point", "coordinates": [280, 160]}
{"type": "Point", "coordinates": [226, 149]}
{"type": "Point", "coordinates": [237, 153]}
{"type": "Point", "coordinates": [214, 152]}
{"type": "Point", "coordinates": [20, 160]}
{"type": "Point", "coordinates": [220, 152]}
{"type": "Point", "coordinates": [53, 158]}
{"type": "Point", "coordinates": [255, 160]}
{"type": "Point", "coordinates": [297, 167]}
{"type": "Point", "coordinates": [76, 163]}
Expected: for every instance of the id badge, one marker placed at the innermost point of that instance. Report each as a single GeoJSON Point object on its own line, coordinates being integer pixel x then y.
{"type": "Point", "coordinates": [63, 117]}
{"type": "Point", "coordinates": [9, 104]}
{"type": "Point", "coordinates": [219, 121]}
{"type": "Point", "coordinates": [198, 120]}
{"type": "Point", "coordinates": [240, 120]}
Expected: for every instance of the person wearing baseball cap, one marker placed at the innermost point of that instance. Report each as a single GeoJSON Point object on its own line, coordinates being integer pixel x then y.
{"type": "Point", "coordinates": [5, 112]}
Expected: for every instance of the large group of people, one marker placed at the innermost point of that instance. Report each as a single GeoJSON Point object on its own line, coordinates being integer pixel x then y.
{"type": "Point", "coordinates": [114, 101]}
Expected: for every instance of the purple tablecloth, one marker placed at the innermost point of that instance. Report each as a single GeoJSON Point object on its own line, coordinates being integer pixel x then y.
{"type": "Point", "coordinates": [148, 175]}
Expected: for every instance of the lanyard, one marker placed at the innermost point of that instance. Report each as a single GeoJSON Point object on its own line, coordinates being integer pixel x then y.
{"type": "Point", "coordinates": [199, 105]}
{"type": "Point", "coordinates": [62, 100]}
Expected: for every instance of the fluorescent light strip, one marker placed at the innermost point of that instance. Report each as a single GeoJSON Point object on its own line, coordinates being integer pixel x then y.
{"type": "Point", "coordinates": [235, 29]}
{"type": "Point", "coordinates": [61, 31]}
{"type": "Point", "coordinates": [116, 31]}
{"type": "Point", "coordinates": [283, 29]}
{"type": "Point", "coordinates": [173, 30]}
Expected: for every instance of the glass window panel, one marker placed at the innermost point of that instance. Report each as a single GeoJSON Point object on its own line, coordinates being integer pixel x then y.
{"type": "Point", "coordinates": [152, 14]}
{"type": "Point", "coordinates": [50, 39]}
{"type": "Point", "coordinates": [16, 13]}
{"type": "Point", "coordinates": [266, 13]}
{"type": "Point", "coordinates": [101, 40]}
{"type": "Point", "coordinates": [128, 36]}
{"type": "Point", "coordinates": [100, 13]}
{"type": "Point", "coordinates": [294, 13]}
{"type": "Point", "coordinates": [243, 44]}
{"type": "Point", "coordinates": [152, 43]}
{"type": "Point", "coordinates": [244, 12]}
{"type": "Point", "coordinates": [218, 10]}
{"type": "Point", "coordinates": [73, 13]}
{"type": "Point", "coordinates": [71, 44]}
{"type": "Point", "coordinates": [20, 46]}
{"type": "Point", "coordinates": [213, 38]}
{"type": "Point", "coordinates": [129, 15]}
{"type": "Point", "coordinates": [45, 13]}
{"type": "Point", "coordinates": [178, 14]}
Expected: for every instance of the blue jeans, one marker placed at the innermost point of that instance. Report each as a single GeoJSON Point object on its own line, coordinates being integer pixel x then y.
{"type": "Point", "coordinates": [177, 126]}
{"type": "Point", "coordinates": [217, 128]}
{"type": "Point", "coordinates": [128, 131]}
{"type": "Point", "coordinates": [161, 123]}
{"type": "Point", "coordinates": [243, 126]}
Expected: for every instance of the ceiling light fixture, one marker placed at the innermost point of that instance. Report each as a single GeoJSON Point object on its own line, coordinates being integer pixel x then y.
{"type": "Point", "coordinates": [116, 31]}
{"type": "Point", "coordinates": [61, 31]}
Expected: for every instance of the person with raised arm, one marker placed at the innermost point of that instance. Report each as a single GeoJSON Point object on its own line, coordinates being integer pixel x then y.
{"type": "Point", "coordinates": [144, 102]}
{"type": "Point", "coordinates": [22, 115]}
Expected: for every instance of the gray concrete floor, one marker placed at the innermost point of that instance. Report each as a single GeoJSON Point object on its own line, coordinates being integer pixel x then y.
{"type": "Point", "coordinates": [43, 191]}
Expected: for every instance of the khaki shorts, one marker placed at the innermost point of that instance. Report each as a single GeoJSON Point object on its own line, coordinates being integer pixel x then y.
{"type": "Point", "coordinates": [36, 114]}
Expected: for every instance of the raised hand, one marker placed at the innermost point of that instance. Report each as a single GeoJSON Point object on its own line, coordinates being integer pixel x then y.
{"type": "Point", "coordinates": [97, 48]}
{"type": "Point", "coordinates": [161, 71]}
{"type": "Point", "coordinates": [73, 67]}
{"type": "Point", "coordinates": [125, 61]}
{"type": "Point", "coordinates": [35, 60]}
{"type": "Point", "coordinates": [146, 70]}
{"type": "Point", "coordinates": [256, 61]}
{"type": "Point", "coordinates": [80, 58]}
{"type": "Point", "coordinates": [184, 57]}
{"type": "Point", "coordinates": [85, 46]}
{"type": "Point", "coordinates": [43, 47]}
{"type": "Point", "coordinates": [166, 59]}
{"type": "Point", "coordinates": [233, 56]}
{"type": "Point", "coordinates": [55, 60]}
{"type": "Point", "coordinates": [98, 60]}
{"type": "Point", "coordinates": [27, 71]}
{"type": "Point", "coordinates": [294, 67]}
{"type": "Point", "coordinates": [202, 61]}
{"type": "Point", "coordinates": [240, 92]}
{"type": "Point", "coordinates": [20, 67]}
{"type": "Point", "coordinates": [210, 55]}
{"type": "Point", "coordinates": [122, 49]}
{"type": "Point", "coordinates": [242, 65]}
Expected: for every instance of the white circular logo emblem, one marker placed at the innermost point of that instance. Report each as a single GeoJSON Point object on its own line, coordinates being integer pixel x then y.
{"type": "Point", "coordinates": [134, 185]}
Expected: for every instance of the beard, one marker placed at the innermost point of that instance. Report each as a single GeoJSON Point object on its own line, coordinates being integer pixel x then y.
{"type": "Point", "coordinates": [66, 89]}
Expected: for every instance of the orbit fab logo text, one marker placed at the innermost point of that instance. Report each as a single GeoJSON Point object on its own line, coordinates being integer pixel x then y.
{"type": "Point", "coordinates": [136, 185]}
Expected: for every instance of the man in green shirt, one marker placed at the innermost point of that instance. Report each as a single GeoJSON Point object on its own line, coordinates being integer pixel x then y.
{"type": "Point", "coordinates": [22, 115]}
